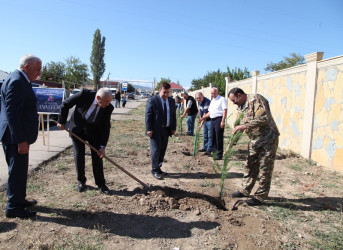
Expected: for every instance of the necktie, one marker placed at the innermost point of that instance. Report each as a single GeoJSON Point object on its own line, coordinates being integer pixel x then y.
{"type": "Point", "coordinates": [164, 113]}
{"type": "Point", "coordinates": [92, 115]}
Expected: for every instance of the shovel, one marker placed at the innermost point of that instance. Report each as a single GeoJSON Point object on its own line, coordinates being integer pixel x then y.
{"type": "Point", "coordinates": [107, 158]}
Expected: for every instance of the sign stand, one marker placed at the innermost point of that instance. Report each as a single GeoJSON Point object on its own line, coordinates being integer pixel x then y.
{"type": "Point", "coordinates": [41, 120]}
{"type": "Point", "coordinates": [49, 101]}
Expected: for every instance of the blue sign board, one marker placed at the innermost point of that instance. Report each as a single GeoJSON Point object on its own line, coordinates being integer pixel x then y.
{"type": "Point", "coordinates": [124, 86]}
{"type": "Point", "coordinates": [49, 100]}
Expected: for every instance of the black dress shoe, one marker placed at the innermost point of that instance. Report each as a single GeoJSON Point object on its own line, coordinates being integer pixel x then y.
{"type": "Point", "coordinates": [30, 203]}
{"type": "Point", "coordinates": [158, 176]}
{"type": "Point", "coordinates": [254, 202]}
{"type": "Point", "coordinates": [81, 187]}
{"type": "Point", "coordinates": [207, 153]}
{"type": "Point", "coordinates": [238, 195]}
{"type": "Point", "coordinates": [162, 173]}
{"type": "Point", "coordinates": [22, 214]}
{"type": "Point", "coordinates": [218, 158]}
{"type": "Point", "coordinates": [105, 190]}
{"type": "Point", "coordinates": [202, 150]}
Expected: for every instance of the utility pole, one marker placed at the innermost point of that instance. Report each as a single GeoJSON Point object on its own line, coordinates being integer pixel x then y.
{"type": "Point", "coordinates": [108, 78]}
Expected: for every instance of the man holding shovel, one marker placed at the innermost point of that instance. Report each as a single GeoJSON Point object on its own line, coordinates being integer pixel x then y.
{"type": "Point", "coordinates": [91, 121]}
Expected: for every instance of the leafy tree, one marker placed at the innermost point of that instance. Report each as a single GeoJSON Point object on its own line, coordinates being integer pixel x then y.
{"type": "Point", "coordinates": [53, 71]}
{"type": "Point", "coordinates": [76, 71]}
{"type": "Point", "coordinates": [287, 62]}
{"type": "Point", "coordinates": [97, 58]}
{"type": "Point", "coordinates": [218, 78]}
{"type": "Point", "coordinates": [130, 88]}
{"type": "Point", "coordinates": [160, 82]}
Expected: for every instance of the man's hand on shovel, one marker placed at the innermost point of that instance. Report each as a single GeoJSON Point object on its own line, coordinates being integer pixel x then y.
{"type": "Point", "coordinates": [61, 126]}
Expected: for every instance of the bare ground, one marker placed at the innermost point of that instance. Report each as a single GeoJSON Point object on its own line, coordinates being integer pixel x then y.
{"type": "Point", "coordinates": [182, 211]}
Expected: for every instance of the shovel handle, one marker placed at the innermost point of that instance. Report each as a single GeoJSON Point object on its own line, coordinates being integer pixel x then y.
{"type": "Point", "coordinates": [107, 158]}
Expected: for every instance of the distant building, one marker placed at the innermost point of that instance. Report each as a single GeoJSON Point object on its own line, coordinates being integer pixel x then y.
{"type": "Point", "coordinates": [176, 88]}
{"type": "Point", "coordinates": [3, 75]}
{"type": "Point", "coordinates": [110, 84]}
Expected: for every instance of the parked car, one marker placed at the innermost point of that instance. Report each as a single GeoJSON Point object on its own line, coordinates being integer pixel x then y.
{"type": "Point", "coordinates": [144, 95]}
{"type": "Point", "coordinates": [75, 91]}
{"type": "Point", "coordinates": [131, 96]}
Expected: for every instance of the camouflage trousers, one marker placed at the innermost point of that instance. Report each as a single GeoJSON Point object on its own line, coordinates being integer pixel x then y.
{"type": "Point", "coordinates": [260, 161]}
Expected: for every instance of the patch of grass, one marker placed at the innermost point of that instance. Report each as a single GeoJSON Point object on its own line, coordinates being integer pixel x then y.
{"type": "Point", "coordinates": [330, 185]}
{"type": "Point", "coordinates": [175, 139]}
{"type": "Point", "coordinates": [310, 162]}
{"type": "Point", "coordinates": [289, 245]}
{"type": "Point", "coordinates": [34, 187]}
{"type": "Point", "coordinates": [237, 164]}
{"type": "Point", "coordinates": [284, 212]}
{"type": "Point", "coordinates": [139, 111]}
{"type": "Point", "coordinates": [90, 193]}
{"type": "Point", "coordinates": [295, 167]}
{"type": "Point", "coordinates": [327, 240]}
{"type": "Point", "coordinates": [61, 166]}
{"type": "Point", "coordinates": [88, 242]}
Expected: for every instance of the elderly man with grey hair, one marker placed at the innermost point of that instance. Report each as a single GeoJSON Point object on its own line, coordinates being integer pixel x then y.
{"type": "Point", "coordinates": [19, 129]}
{"type": "Point", "coordinates": [217, 113]}
{"type": "Point", "coordinates": [91, 121]}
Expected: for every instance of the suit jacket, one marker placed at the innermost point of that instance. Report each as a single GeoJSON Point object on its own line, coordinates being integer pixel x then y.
{"type": "Point", "coordinates": [154, 115]}
{"type": "Point", "coordinates": [82, 101]}
{"type": "Point", "coordinates": [18, 110]}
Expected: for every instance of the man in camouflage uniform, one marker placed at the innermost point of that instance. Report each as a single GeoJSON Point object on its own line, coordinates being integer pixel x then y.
{"type": "Point", "coordinates": [259, 125]}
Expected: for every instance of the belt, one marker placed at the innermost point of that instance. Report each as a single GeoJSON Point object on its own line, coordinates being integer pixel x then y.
{"type": "Point", "coordinates": [165, 126]}
{"type": "Point", "coordinates": [216, 118]}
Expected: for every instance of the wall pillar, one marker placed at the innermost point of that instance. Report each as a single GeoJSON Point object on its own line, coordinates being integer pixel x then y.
{"type": "Point", "coordinates": [311, 86]}
{"type": "Point", "coordinates": [254, 81]}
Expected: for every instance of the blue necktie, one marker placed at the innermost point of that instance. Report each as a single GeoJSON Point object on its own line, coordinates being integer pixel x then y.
{"type": "Point", "coordinates": [164, 113]}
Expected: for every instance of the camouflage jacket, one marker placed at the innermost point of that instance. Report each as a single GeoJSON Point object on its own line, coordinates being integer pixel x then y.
{"type": "Point", "coordinates": [260, 125]}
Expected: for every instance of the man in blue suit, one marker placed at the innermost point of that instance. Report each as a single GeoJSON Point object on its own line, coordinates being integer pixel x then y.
{"type": "Point", "coordinates": [160, 122]}
{"type": "Point", "coordinates": [19, 129]}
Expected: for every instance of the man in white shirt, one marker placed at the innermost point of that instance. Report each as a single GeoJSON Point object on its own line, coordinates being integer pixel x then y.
{"type": "Point", "coordinates": [217, 112]}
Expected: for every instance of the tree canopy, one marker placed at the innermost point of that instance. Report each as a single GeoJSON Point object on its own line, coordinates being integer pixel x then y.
{"type": "Point", "coordinates": [73, 72]}
{"type": "Point", "coordinates": [97, 58]}
{"type": "Point", "coordinates": [53, 71]}
{"type": "Point", "coordinates": [287, 62]}
{"type": "Point", "coordinates": [217, 78]}
{"type": "Point", "coordinates": [161, 81]}
{"type": "Point", "coordinates": [76, 71]}
{"type": "Point", "coordinates": [130, 88]}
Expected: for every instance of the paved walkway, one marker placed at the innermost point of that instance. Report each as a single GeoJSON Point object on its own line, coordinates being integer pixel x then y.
{"type": "Point", "coordinates": [58, 141]}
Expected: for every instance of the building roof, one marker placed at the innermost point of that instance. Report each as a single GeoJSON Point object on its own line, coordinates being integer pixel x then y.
{"type": "Point", "coordinates": [3, 75]}
{"type": "Point", "coordinates": [173, 85]}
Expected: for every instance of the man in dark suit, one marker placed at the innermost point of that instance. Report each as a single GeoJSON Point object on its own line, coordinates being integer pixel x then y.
{"type": "Point", "coordinates": [19, 129]}
{"type": "Point", "coordinates": [160, 122]}
{"type": "Point", "coordinates": [91, 120]}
